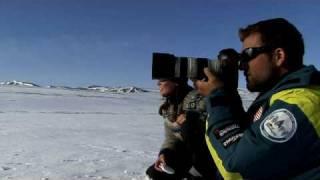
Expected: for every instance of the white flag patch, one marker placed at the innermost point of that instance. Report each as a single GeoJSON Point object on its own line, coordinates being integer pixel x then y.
{"type": "Point", "coordinates": [279, 126]}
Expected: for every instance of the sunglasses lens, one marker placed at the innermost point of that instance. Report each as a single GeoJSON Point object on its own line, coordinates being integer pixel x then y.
{"type": "Point", "coordinates": [250, 53]}
{"type": "Point", "coordinates": [245, 56]}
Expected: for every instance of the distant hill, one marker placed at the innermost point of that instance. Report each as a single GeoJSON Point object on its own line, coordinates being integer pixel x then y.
{"type": "Point", "coordinates": [244, 93]}
{"type": "Point", "coordinates": [130, 89]}
{"type": "Point", "coordinates": [19, 83]}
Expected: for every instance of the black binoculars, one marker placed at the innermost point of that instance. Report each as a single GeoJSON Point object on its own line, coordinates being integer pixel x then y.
{"type": "Point", "coordinates": [169, 66]}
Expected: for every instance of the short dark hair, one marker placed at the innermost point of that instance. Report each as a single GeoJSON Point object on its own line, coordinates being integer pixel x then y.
{"type": "Point", "coordinates": [279, 33]}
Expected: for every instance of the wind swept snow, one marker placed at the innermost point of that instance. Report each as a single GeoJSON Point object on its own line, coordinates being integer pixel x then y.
{"type": "Point", "coordinates": [59, 134]}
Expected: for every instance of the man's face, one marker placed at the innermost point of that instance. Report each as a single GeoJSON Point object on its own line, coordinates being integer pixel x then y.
{"type": "Point", "coordinates": [258, 70]}
{"type": "Point", "coordinates": [166, 87]}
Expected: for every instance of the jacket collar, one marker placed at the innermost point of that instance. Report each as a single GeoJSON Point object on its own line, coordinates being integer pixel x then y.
{"type": "Point", "coordinates": [307, 75]}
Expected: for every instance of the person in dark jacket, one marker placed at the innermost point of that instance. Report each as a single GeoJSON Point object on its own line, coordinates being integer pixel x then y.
{"type": "Point", "coordinates": [193, 134]}
{"type": "Point", "coordinates": [282, 140]}
{"type": "Point", "coordinates": [184, 145]}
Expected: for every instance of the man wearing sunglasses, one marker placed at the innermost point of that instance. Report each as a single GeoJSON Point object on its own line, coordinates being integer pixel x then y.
{"type": "Point", "coordinates": [282, 140]}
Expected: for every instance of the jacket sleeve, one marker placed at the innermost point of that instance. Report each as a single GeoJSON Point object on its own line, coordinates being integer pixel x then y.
{"type": "Point", "coordinates": [271, 146]}
{"type": "Point", "coordinates": [171, 139]}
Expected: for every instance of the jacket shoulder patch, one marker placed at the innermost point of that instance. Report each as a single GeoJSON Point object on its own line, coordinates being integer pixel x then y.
{"type": "Point", "coordinates": [279, 126]}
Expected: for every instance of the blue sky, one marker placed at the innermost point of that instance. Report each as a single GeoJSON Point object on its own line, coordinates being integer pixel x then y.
{"type": "Point", "coordinates": [110, 42]}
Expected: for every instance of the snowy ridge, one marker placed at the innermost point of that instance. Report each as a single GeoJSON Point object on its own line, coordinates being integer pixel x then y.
{"type": "Point", "coordinates": [244, 93]}
{"type": "Point", "coordinates": [19, 83]}
{"type": "Point", "coordinates": [130, 89]}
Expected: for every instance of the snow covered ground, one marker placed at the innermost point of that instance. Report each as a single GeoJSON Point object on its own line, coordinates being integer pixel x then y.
{"type": "Point", "coordinates": [49, 134]}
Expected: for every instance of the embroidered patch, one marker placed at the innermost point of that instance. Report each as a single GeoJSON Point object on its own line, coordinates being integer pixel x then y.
{"type": "Point", "coordinates": [279, 126]}
{"type": "Point", "coordinates": [222, 131]}
{"type": "Point", "coordinates": [232, 140]}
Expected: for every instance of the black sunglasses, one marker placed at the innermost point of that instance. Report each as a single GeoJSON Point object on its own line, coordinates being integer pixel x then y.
{"type": "Point", "coordinates": [250, 53]}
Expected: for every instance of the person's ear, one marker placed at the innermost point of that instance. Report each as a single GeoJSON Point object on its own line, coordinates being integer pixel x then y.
{"type": "Point", "coordinates": [280, 57]}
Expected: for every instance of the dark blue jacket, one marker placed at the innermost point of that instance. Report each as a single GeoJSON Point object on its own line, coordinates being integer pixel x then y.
{"type": "Point", "coordinates": [282, 140]}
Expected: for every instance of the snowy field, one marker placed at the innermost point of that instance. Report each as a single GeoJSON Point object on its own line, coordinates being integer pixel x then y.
{"type": "Point", "coordinates": [58, 134]}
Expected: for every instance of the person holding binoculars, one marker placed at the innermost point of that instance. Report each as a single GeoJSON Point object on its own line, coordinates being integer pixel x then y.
{"type": "Point", "coordinates": [282, 137]}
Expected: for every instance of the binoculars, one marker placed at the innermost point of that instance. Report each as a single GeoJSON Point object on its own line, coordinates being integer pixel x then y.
{"type": "Point", "coordinates": [169, 66]}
